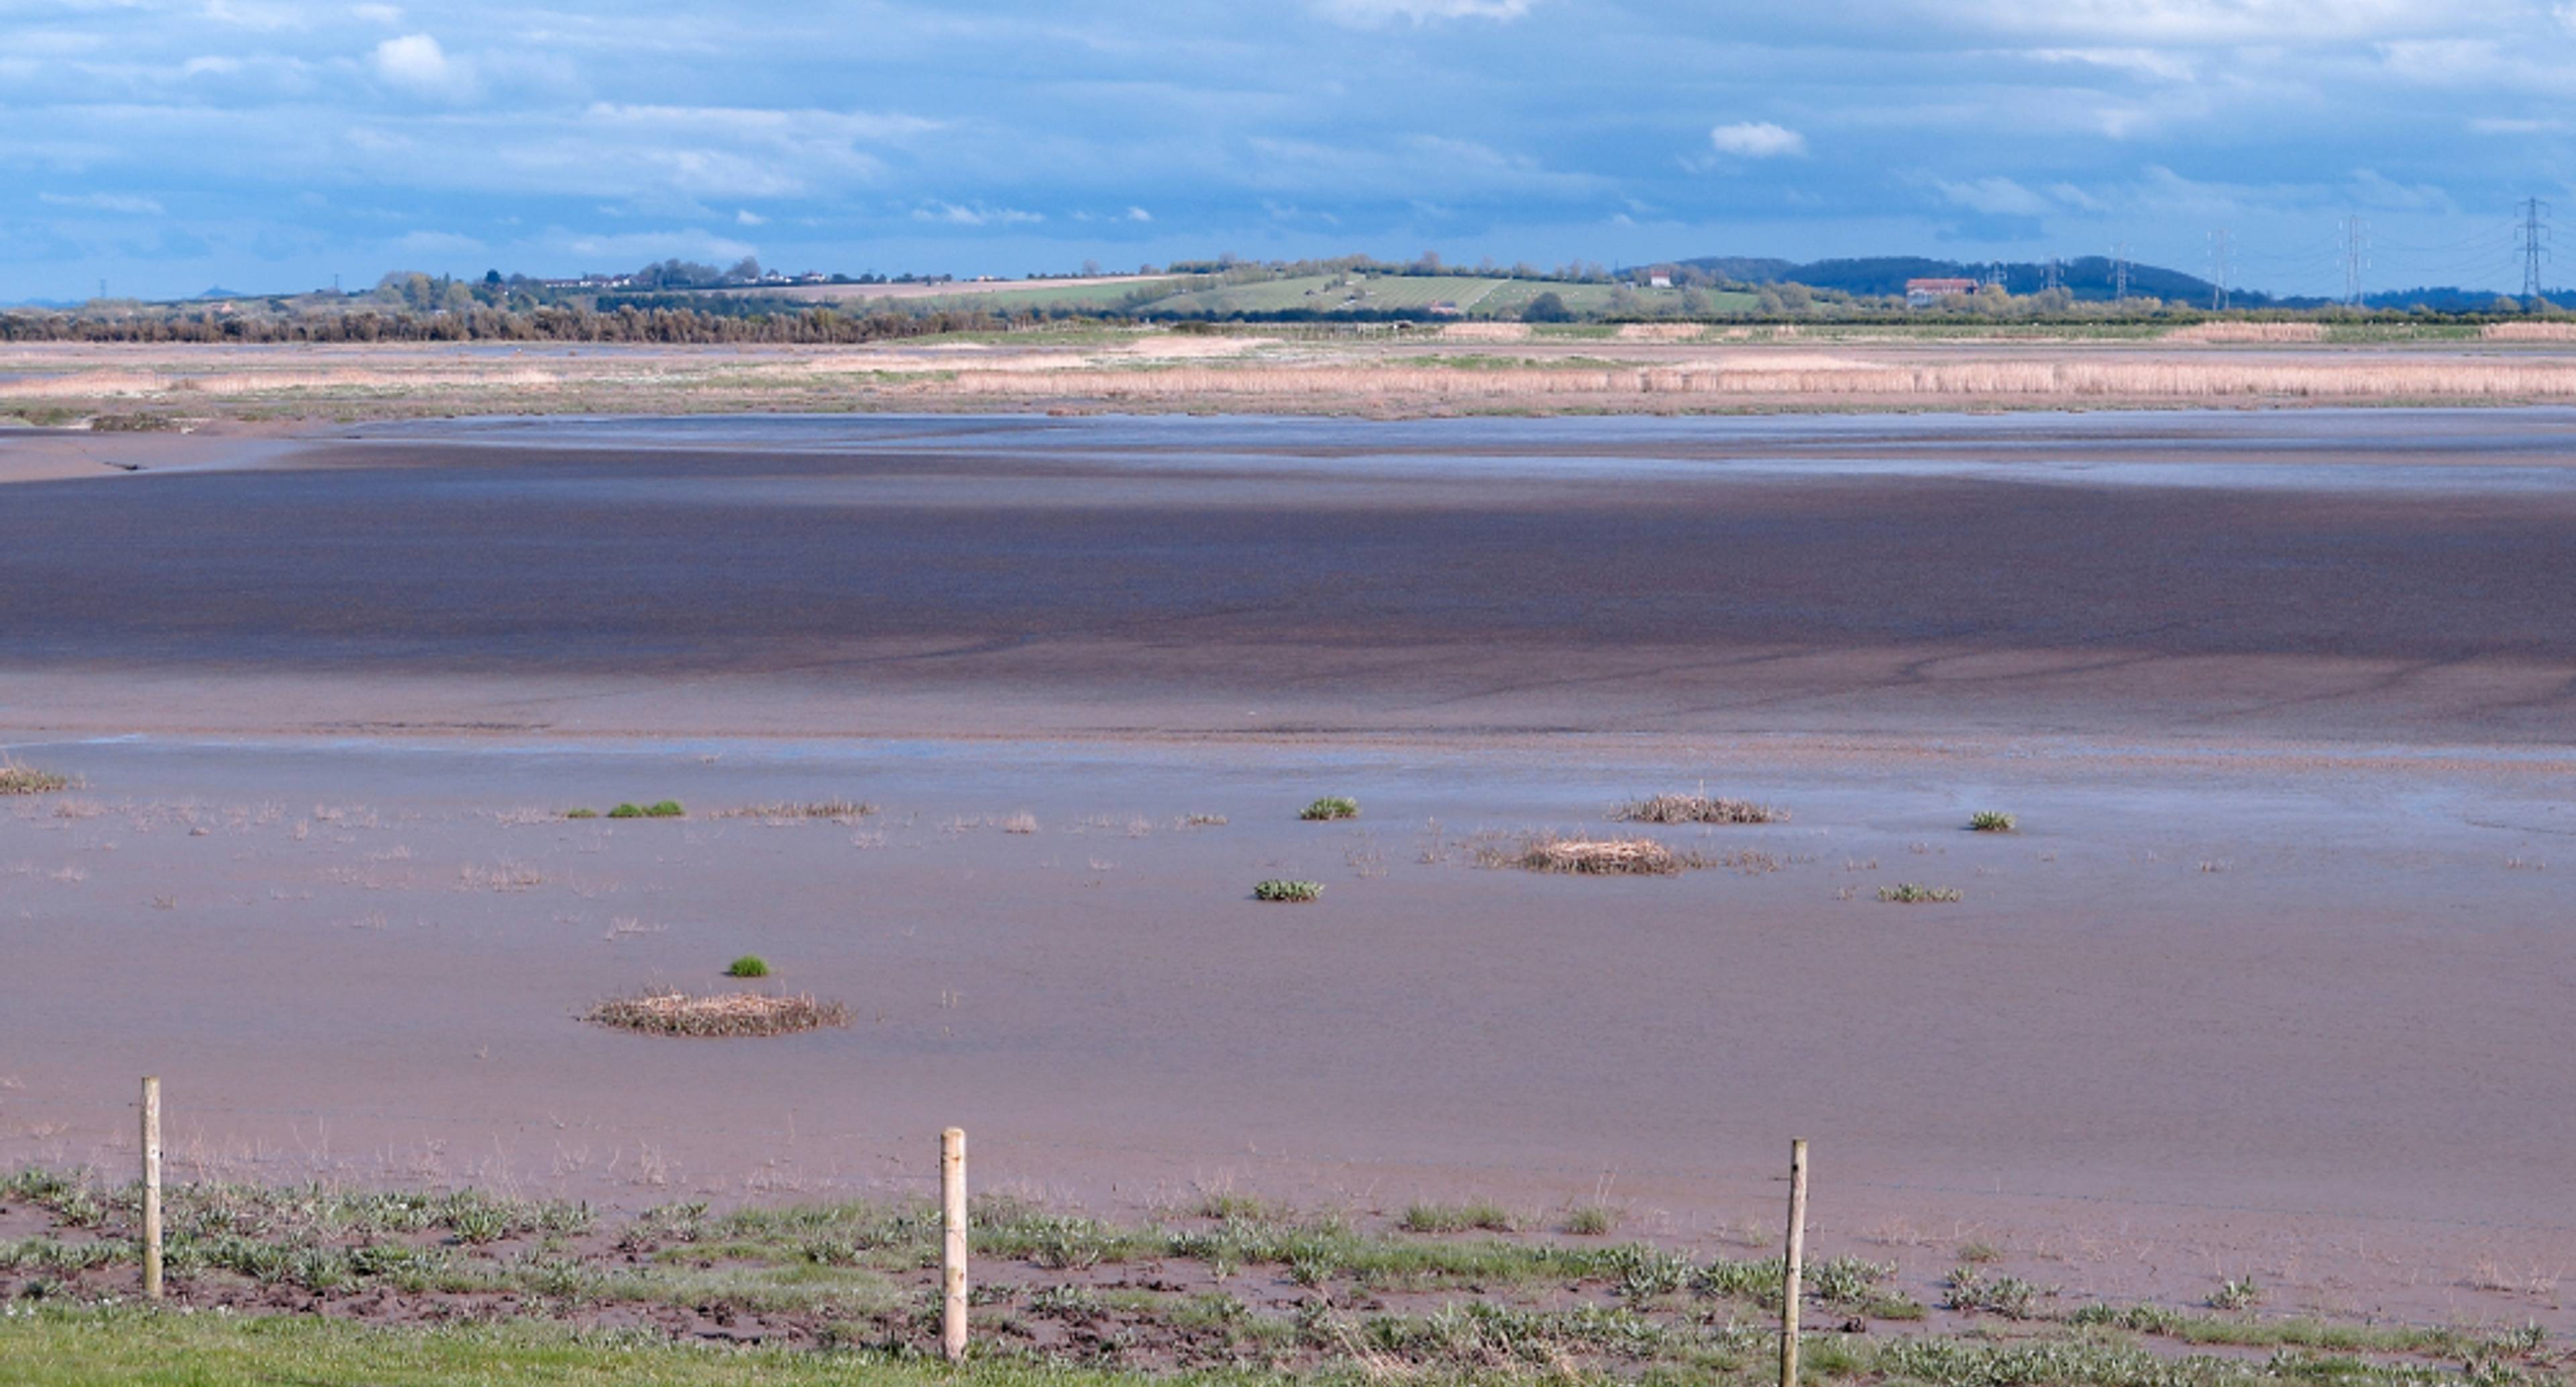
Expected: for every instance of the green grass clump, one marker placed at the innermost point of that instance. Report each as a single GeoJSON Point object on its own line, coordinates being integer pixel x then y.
{"type": "Point", "coordinates": [1911, 894]}
{"type": "Point", "coordinates": [1331, 807]}
{"type": "Point", "coordinates": [581, 813]}
{"type": "Point", "coordinates": [748, 966]}
{"type": "Point", "coordinates": [660, 809]}
{"type": "Point", "coordinates": [627, 811]}
{"type": "Point", "coordinates": [1971, 1291]}
{"type": "Point", "coordinates": [1457, 1218]}
{"type": "Point", "coordinates": [1591, 1220]}
{"type": "Point", "coordinates": [1991, 821]}
{"type": "Point", "coordinates": [1287, 890]}
{"type": "Point", "coordinates": [16, 779]}
{"type": "Point", "coordinates": [1696, 809]}
{"type": "Point", "coordinates": [2236, 1293]}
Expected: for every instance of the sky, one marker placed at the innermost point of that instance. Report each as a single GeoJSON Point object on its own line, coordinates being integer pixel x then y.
{"type": "Point", "coordinates": [163, 147]}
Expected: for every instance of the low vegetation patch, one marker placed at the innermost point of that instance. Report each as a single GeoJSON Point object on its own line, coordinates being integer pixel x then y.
{"type": "Point", "coordinates": [1991, 821]}
{"type": "Point", "coordinates": [1287, 890]}
{"type": "Point", "coordinates": [1331, 807]}
{"type": "Point", "coordinates": [581, 813]}
{"type": "Point", "coordinates": [1911, 894]}
{"type": "Point", "coordinates": [1458, 1218]}
{"type": "Point", "coordinates": [842, 810]}
{"type": "Point", "coordinates": [1588, 856]}
{"type": "Point", "coordinates": [748, 966]}
{"type": "Point", "coordinates": [1696, 809]}
{"type": "Point", "coordinates": [729, 1014]}
{"type": "Point", "coordinates": [660, 809]}
{"type": "Point", "coordinates": [1591, 1220]}
{"type": "Point", "coordinates": [16, 779]}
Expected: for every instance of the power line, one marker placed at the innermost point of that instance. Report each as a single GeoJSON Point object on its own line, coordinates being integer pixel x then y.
{"type": "Point", "coordinates": [2535, 247]}
{"type": "Point", "coordinates": [2120, 272]}
{"type": "Point", "coordinates": [2356, 257]}
{"type": "Point", "coordinates": [2218, 270]}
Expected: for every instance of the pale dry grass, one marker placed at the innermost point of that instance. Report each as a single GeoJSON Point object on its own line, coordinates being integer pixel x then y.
{"type": "Point", "coordinates": [1660, 332]}
{"type": "Point", "coordinates": [19, 779]}
{"type": "Point", "coordinates": [1486, 332]}
{"type": "Point", "coordinates": [1587, 856]}
{"type": "Point", "coordinates": [2249, 332]}
{"type": "Point", "coordinates": [2197, 380]}
{"type": "Point", "coordinates": [2529, 332]}
{"type": "Point", "coordinates": [508, 876]}
{"type": "Point", "coordinates": [725, 1014]}
{"type": "Point", "coordinates": [1697, 809]}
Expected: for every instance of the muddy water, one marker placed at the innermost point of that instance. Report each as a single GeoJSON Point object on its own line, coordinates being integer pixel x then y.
{"type": "Point", "coordinates": [2382, 575]}
{"type": "Point", "coordinates": [2273, 978]}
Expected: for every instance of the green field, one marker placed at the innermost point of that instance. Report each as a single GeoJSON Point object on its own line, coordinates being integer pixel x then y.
{"type": "Point", "coordinates": [1472, 295]}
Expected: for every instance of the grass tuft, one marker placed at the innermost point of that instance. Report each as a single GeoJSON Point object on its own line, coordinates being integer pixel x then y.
{"type": "Point", "coordinates": [1457, 1218]}
{"type": "Point", "coordinates": [1287, 890]}
{"type": "Point", "coordinates": [1591, 1220]}
{"type": "Point", "coordinates": [581, 813]}
{"type": "Point", "coordinates": [17, 779]}
{"type": "Point", "coordinates": [1991, 821]}
{"type": "Point", "coordinates": [2236, 1293]}
{"type": "Point", "coordinates": [1696, 809]}
{"type": "Point", "coordinates": [833, 808]}
{"type": "Point", "coordinates": [731, 1014]}
{"type": "Point", "coordinates": [1588, 856]}
{"type": "Point", "coordinates": [748, 966]}
{"type": "Point", "coordinates": [1911, 894]}
{"type": "Point", "coordinates": [1331, 807]}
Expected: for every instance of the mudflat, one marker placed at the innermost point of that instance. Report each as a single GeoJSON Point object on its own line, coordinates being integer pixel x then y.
{"type": "Point", "coordinates": [2270, 977]}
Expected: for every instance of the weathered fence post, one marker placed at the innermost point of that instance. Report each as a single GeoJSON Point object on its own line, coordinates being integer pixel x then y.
{"type": "Point", "coordinates": [952, 1244]}
{"type": "Point", "coordinates": [1794, 1264]}
{"type": "Point", "coordinates": [151, 1188]}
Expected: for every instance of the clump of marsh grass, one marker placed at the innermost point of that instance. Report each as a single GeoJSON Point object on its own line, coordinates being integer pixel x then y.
{"type": "Point", "coordinates": [1331, 807]}
{"type": "Point", "coordinates": [2236, 1293]}
{"type": "Point", "coordinates": [1457, 1218]}
{"type": "Point", "coordinates": [1591, 1220]}
{"type": "Point", "coordinates": [1587, 856]}
{"type": "Point", "coordinates": [581, 813]}
{"type": "Point", "coordinates": [725, 1015]}
{"type": "Point", "coordinates": [1696, 809]}
{"type": "Point", "coordinates": [1991, 821]}
{"type": "Point", "coordinates": [660, 809]}
{"type": "Point", "coordinates": [1971, 1291]}
{"type": "Point", "coordinates": [1287, 890]}
{"type": "Point", "coordinates": [1911, 894]}
{"type": "Point", "coordinates": [835, 808]}
{"type": "Point", "coordinates": [748, 966]}
{"type": "Point", "coordinates": [19, 779]}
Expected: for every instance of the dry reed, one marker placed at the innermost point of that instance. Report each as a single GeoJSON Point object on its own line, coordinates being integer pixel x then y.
{"type": "Point", "coordinates": [727, 1014]}
{"type": "Point", "coordinates": [2529, 332]}
{"type": "Point", "coordinates": [1588, 856]}
{"type": "Point", "coordinates": [2249, 332]}
{"type": "Point", "coordinates": [1696, 809]}
{"type": "Point", "coordinates": [1756, 375]}
{"type": "Point", "coordinates": [836, 808]}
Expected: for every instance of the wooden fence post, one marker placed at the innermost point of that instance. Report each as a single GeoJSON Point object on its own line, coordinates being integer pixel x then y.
{"type": "Point", "coordinates": [952, 1244]}
{"type": "Point", "coordinates": [1794, 1264]}
{"type": "Point", "coordinates": [151, 1188]}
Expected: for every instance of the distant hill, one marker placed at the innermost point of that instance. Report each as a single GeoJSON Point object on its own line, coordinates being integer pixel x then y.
{"type": "Point", "coordinates": [2090, 277]}
{"type": "Point", "coordinates": [220, 292]}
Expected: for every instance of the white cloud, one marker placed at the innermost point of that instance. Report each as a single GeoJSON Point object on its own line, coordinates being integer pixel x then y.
{"type": "Point", "coordinates": [2202, 22]}
{"type": "Point", "coordinates": [2144, 62]}
{"type": "Point", "coordinates": [1757, 139]}
{"type": "Point", "coordinates": [645, 246]}
{"type": "Point", "coordinates": [126, 203]}
{"type": "Point", "coordinates": [1996, 196]}
{"type": "Point", "coordinates": [1139, 214]}
{"type": "Point", "coordinates": [417, 64]}
{"type": "Point", "coordinates": [978, 215]}
{"type": "Point", "coordinates": [378, 14]}
{"type": "Point", "coordinates": [1377, 14]}
{"type": "Point", "coordinates": [748, 217]}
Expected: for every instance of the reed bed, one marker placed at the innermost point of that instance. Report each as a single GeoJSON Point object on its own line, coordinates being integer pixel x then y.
{"type": "Point", "coordinates": [2048, 380]}
{"type": "Point", "coordinates": [720, 1016]}
{"type": "Point", "coordinates": [2529, 332]}
{"type": "Point", "coordinates": [1589, 856]}
{"type": "Point", "coordinates": [1660, 332]}
{"type": "Point", "coordinates": [1486, 332]}
{"type": "Point", "coordinates": [2249, 332]}
{"type": "Point", "coordinates": [1696, 809]}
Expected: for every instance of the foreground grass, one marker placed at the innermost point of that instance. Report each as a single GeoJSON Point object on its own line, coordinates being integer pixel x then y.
{"type": "Point", "coordinates": [130, 1347]}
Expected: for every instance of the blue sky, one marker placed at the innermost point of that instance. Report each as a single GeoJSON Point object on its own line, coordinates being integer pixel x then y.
{"type": "Point", "coordinates": [165, 146]}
